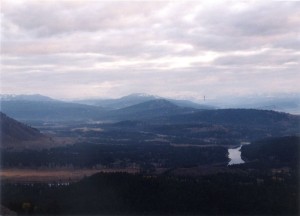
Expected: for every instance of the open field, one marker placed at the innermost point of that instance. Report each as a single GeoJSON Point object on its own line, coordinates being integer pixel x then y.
{"type": "Point", "coordinates": [53, 175]}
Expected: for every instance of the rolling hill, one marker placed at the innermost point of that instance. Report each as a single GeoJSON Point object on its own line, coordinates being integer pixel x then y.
{"type": "Point", "coordinates": [119, 103]}
{"type": "Point", "coordinates": [137, 98]}
{"type": "Point", "coordinates": [148, 110]}
{"type": "Point", "coordinates": [250, 117]}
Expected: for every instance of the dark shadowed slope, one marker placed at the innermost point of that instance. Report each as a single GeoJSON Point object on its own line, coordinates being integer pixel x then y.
{"type": "Point", "coordinates": [6, 211]}
{"type": "Point", "coordinates": [12, 130]}
{"type": "Point", "coordinates": [16, 135]}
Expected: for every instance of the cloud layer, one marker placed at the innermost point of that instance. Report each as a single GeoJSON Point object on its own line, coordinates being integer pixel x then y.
{"type": "Point", "coordinates": [71, 49]}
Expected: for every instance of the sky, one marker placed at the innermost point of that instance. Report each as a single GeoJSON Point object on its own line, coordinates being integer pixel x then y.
{"type": "Point", "coordinates": [180, 49]}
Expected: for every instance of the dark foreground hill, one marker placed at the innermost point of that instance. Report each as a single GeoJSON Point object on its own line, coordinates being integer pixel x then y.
{"type": "Point", "coordinates": [124, 194]}
{"type": "Point", "coordinates": [15, 134]}
{"type": "Point", "coordinates": [278, 151]}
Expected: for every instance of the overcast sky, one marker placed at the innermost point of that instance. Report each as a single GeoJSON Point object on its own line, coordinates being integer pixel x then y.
{"type": "Point", "coordinates": [76, 49]}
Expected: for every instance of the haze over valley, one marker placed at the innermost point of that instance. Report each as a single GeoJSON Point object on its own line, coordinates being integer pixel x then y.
{"type": "Point", "coordinates": [149, 108]}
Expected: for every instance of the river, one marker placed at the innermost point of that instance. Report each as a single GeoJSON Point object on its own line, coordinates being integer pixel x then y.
{"type": "Point", "coordinates": [235, 156]}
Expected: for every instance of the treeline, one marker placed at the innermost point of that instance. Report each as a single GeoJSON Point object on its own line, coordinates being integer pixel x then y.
{"type": "Point", "coordinates": [90, 155]}
{"type": "Point", "coordinates": [281, 151]}
{"type": "Point", "coordinates": [119, 193]}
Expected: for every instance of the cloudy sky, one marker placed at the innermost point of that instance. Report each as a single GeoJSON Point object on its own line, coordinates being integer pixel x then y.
{"type": "Point", "coordinates": [76, 49]}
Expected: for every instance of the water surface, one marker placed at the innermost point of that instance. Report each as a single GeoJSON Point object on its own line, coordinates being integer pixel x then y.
{"type": "Point", "coordinates": [235, 156]}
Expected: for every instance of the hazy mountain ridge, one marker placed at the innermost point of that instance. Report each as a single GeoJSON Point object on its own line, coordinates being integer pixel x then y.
{"type": "Point", "coordinates": [119, 103]}
{"type": "Point", "coordinates": [282, 102]}
{"type": "Point", "coordinates": [145, 106]}
{"type": "Point", "coordinates": [134, 99]}
{"type": "Point", "coordinates": [190, 104]}
{"type": "Point", "coordinates": [147, 110]}
{"type": "Point", "coordinates": [37, 107]}
{"type": "Point", "coordinates": [33, 97]}
{"type": "Point", "coordinates": [49, 110]}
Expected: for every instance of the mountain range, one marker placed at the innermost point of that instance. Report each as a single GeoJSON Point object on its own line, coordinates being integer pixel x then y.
{"type": "Point", "coordinates": [250, 117]}
{"type": "Point", "coordinates": [134, 99]}
{"type": "Point", "coordinates": [289, 103]}
{"type": "Point", "coordinates": [136, 106]}
{"type": "Point", "coordinates": [131, 107]}
{"type": "Point", "coordinates": [156, 116]}
{"type": "Point", "coordinates": [33, 97]}
{"type": "Point", "coordinates": [50, 110]}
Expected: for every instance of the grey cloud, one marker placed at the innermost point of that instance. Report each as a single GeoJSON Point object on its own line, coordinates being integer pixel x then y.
{"type": "Point", "coordinates": [114, 48]}
{"type": "Point", "coordinates": [270, 58]}
{"type": "Point", "coordinates": [56, 60]}
{"type": "Point", "coordinates": [257, 19]}
{"type": "Point", "coordinates": [220, 27]}
{"type": "Point", "coordinates": [58, 17]}
{"type": "Point", "coordinates": [168, 83]}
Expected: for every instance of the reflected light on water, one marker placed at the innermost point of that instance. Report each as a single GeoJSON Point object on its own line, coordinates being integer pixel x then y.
{"type": "Point", "coordinates": [235, 156]}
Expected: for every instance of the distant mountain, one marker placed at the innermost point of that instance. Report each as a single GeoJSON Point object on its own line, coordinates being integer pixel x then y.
{"type": "Point", "coordinates": [16, 135]}
{"type": "Point", "coordinates": [134, 99]}
{"type": "Point", "coordinates": [37, 107]}
{"type": "Point", "coordinates": [249, 117]}
{"type": "Point", "coordinates": [33, 97]}
{"type": "Point", "coordinates": [119, 103]}
{"type": "Point", "coordinates": [290, 105]}
{"type": "Point", "coordinates": [148, 110]}
{"type": "Point", "coordinates": [284, 102]}
{"type": "Point", "coordinates": [187, 103]}
{"type": "Point", "coordinates": [49, 110]}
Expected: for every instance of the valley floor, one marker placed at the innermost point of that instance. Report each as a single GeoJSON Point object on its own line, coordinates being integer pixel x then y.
{"type": "Point", "coordinates": [59, 175]}
{"type": "Point", "coordinates": [18, 175]}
